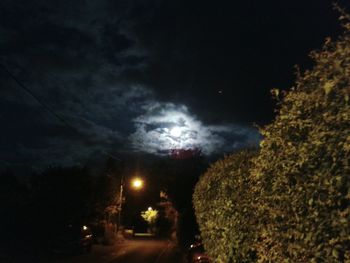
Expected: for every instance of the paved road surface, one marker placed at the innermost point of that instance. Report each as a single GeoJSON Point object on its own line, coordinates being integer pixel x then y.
{"type": "Point", "coordinates": [137, 250]}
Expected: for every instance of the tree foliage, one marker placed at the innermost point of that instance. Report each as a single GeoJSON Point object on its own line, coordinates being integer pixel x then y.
{"type": "Point", "coordinates": [150, 216]}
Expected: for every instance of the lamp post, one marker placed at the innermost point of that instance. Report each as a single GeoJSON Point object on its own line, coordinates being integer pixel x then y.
{"type": "Point", "coordinates": [137, 184]}
{"type": "Point", "coordinates": [120, 202]}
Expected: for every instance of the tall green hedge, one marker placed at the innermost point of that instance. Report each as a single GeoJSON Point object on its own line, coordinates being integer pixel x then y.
{"type": "Point", "coordinates": [303, 167]}
{"type": "Point", "coordinates": [222, 203]}
{"type": "Point", "coordinates": [290, 202]}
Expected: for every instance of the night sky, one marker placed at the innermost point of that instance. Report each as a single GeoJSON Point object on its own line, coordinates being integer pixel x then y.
{"type": "Point", "coordinates": [145, 77]}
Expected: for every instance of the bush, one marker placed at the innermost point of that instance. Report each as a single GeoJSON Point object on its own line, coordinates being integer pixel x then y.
{"type": "Point", "coordinates": [223, 205]}
{"type": "Point", "coordinates": [303, 166]}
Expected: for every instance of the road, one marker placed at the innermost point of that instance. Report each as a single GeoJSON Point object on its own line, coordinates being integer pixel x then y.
{"type": "Point", "coordinates": [136, 250]}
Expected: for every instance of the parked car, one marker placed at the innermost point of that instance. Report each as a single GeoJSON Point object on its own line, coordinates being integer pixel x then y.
{"type": "Point", "coordinates": [196, 253]}
{"type": "Point", "coordinates": [98, 232]}
{"type": "Point", "coordinates": [71, 239]}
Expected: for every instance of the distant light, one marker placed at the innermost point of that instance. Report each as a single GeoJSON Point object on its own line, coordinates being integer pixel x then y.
{"type": "Point", "coordinates": [176, 132]}
{"type": "Point", "coordinates": [150, 208]}
{"type": "Point", "coordinates": [85, 228]}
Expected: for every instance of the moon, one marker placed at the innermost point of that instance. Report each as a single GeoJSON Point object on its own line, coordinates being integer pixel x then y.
{"type": "Point", "coordinates": [175, 132]}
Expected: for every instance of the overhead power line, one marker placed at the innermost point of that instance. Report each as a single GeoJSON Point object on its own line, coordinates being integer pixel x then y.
{"type": "Point", "coordinates": [48, 108]}
{"type": "Point", "coordinates": [44, 105]}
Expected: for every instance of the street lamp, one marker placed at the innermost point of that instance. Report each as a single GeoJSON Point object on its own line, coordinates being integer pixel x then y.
{"type": "Point", "coordinates": [136, 183]}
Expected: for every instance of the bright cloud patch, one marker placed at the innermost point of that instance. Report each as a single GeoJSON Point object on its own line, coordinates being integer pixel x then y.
{"type": "Point", "coordinates": [165, 127]}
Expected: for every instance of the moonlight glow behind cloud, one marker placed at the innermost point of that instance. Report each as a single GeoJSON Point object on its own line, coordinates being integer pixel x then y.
{"type": "Point", "coordinates": [165, 127]}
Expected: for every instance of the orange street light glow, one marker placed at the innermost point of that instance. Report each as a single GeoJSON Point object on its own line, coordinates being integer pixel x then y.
{"type": "Point", "coordinates": [137, 183]}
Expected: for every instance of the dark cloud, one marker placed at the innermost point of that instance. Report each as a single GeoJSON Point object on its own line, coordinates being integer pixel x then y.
{"type": "Point", "coordinates": [70, 55]}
